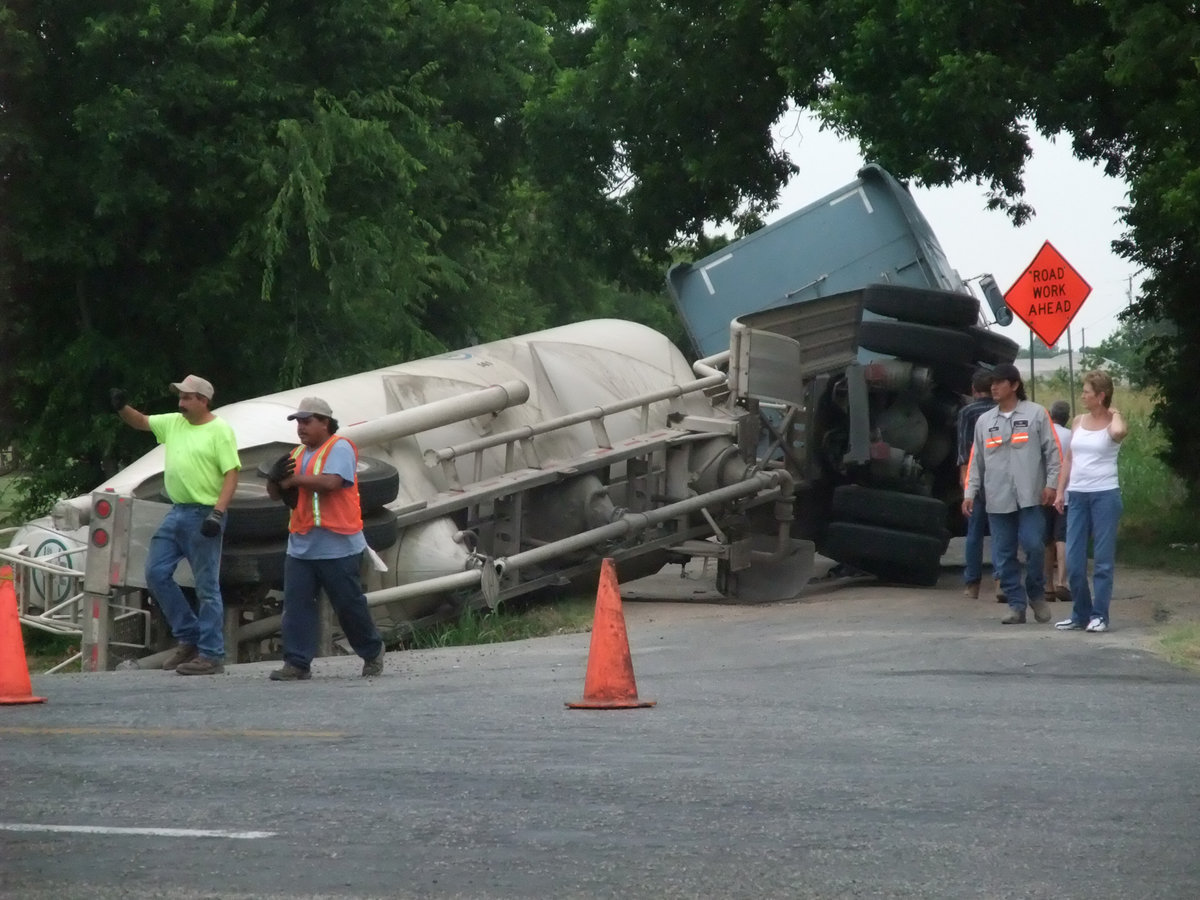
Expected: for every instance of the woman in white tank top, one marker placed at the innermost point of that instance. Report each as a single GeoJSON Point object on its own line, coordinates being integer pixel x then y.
{"type": "Point", "coordinates": [1089, 488]}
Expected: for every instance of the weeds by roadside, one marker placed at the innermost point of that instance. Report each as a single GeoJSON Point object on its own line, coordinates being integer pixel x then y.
{"type": "Point", "coordinates": [505, 623]}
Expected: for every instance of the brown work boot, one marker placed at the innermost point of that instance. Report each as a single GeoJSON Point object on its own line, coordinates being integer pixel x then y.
{"type": "Point", "coordinates": [1063, 592]}
{"type": "Point", "coordinates": [1041, 610]}
{"type": "Point", "coordinates": [971, 592]}
{"type": "Point", "coordinates": [373, 667]}
{"type": "Point", "coordinates": [1000, 596]}
{"type": "Point", "coordinates": [201, 665]}
{"type": "Point", "coordinates": [1014, 617]}
{"type": "Point", "coordinates": [183, 653]}
{"type": "Point", "coordinates": [290, 673]}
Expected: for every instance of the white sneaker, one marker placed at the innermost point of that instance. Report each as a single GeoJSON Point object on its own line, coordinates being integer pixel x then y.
{"type": "Point", "coordinates": [1068, 625]}
{"type": "Point", "coordinates": [1097, 625]}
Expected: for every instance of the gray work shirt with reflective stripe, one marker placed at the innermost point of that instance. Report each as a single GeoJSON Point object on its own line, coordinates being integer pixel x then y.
{"type": "Point", "coordinates": [1013, 458]}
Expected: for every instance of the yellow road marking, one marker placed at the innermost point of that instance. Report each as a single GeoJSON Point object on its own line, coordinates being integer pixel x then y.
{"type": "Point", "coordinates": [169, 732]}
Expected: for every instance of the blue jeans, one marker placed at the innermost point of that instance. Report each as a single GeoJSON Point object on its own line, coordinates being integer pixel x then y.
{"type": "Point", "coordinates": [179, 537]}
{"type": "Point", "coordinates": [302, 579]}
{"type": "Point", "coordinates": [1027, 527]}
{"type": "Point", "coordinates": [1094, 514]}
{"type": "Point", "coordinates": [976, 530]}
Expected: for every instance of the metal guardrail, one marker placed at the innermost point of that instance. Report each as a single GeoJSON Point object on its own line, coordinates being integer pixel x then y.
{"type": "Point", "coordinates": [50, 597]}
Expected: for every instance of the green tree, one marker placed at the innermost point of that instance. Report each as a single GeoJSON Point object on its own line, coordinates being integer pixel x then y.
{"type": "Point", "coordinates": [269, 194]}
{"type": "Point", "coordinates": [938, 92]}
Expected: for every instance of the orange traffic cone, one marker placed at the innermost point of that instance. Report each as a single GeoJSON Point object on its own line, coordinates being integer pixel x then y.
{"type": "Point", "coordinates": [609, 682]}
{"type": "Point", "coordinates": [15, 686]}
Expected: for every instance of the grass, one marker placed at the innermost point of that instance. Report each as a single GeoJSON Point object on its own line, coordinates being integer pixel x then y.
{"type": "Point", "coordinates": [506, 623]}
{"type": "Point", "coordinates": [1181, 645]}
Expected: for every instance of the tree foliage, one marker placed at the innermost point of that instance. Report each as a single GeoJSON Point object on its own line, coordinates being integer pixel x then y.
{"type": "Point", "coordinates": [275, 193]}
{"type": "Point", "coordinates": [938, 92]}
{"type": "Point", "coordinates": [268, 194]}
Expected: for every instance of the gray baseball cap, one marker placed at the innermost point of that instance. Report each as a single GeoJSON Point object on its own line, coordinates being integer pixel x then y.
{"type": "Point", "coordinates": [312, 406]}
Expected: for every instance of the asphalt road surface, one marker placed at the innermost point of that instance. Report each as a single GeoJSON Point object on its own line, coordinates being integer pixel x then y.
{"type": "Point", "coordinates": [865, 741]}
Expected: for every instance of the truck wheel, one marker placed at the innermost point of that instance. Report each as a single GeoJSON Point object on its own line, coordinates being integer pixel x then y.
{"type": "Point", "coordinates": [918, 343]}
{"type": "Point", "coordinates": [993, 348]}
{"type": "Point", "coordinates": [889, 509]}
{"type": "Point", "coordinates": [888, 553]}
{"type": "Point", "coordinates": [921, 305]}
{"type": "Point", "coordinates": [379, 528]}
{"type": "Point", "coordinates": [254, 562]}
{"type": "Point", "coordinates": [378, 483]}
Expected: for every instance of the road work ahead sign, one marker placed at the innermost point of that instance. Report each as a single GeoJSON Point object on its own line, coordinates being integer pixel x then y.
{"type": "Point", "coordinates": [1048, 294]}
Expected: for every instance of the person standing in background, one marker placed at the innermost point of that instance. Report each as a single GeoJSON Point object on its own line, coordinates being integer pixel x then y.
{"type": "Point", "coordinates": [981, 402]}
{"type": "Point", "coordinates": [1056, 521]}
{"type": "Point", "coordinates": [1090, 489]}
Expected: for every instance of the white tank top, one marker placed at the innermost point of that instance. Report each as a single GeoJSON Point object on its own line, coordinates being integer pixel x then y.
{"type": "Point", "coordinates": [1093, 461]}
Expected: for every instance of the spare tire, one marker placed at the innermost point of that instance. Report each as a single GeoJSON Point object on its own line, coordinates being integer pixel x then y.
{"type": "Point", "coordinates": [922, 305]}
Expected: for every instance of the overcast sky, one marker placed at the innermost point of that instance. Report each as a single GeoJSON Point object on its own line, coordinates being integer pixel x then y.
{"type": "Point", "coordinates": [1076, 206]}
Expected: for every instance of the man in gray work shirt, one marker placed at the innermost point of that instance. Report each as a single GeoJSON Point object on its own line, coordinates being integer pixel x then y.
{"type": "Point", "coordinates": [1015, 459]}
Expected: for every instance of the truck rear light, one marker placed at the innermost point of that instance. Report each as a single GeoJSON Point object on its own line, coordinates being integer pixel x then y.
{"type": "Point", "coordinates": [103, 509]}
{"type": "Point", "coordinates": [100, 537]}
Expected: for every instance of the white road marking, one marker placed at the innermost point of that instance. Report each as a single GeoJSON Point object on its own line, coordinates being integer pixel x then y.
{"type": "Point", "coordinates": [149, 832]}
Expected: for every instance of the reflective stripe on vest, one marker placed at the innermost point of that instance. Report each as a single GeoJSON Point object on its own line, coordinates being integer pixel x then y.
{"type": "Point", "coordinates": [340, 512]}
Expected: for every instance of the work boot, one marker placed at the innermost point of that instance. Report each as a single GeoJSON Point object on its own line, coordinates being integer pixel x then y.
{"type": "Point", "coordinates": [183, 653]}
{"type": "Point", "coordinates": [290, 673]}
{"type": "Point", "coordinates": [1041, 610]}
{"type": "Point", "coordinates": [373, 667]}
{"type": "Point", "coordinates": [1000, 597]}
{"type": "Point", "coordinates": [1014, 617]}
{"type": "Point", "coordinates": [972, 590]}
{"type": "Point", "coordinates": [1063, 592]}
{"type": "Point", "coordinates": [201, 665]}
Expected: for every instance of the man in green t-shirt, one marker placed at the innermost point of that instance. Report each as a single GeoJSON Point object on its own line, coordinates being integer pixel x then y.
{"type": "Point", "coordinates": [200, 474]}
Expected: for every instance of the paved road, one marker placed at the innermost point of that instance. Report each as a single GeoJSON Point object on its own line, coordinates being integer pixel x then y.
{"type": "Point", "coordinates": [864, 742]}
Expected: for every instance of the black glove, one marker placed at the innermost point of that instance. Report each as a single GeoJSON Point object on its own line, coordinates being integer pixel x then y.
{"type": "Point", "coordinates": [211, 526]}
{"type": "Point", "coordinates": [116, 396]}
{"type": "Point", "coordinates": [285, 467]}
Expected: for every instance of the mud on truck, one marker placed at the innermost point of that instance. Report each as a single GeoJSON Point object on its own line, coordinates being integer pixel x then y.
{"type": "Point", "coordinates": [834, 347]}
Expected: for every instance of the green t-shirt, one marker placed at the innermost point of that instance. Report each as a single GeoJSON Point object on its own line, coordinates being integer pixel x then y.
{"type": "Point", "coordinates": [198, 456]}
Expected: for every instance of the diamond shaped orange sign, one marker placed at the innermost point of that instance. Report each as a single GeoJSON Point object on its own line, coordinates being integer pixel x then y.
{"type": "Point", "coordinates": [1048, 295]}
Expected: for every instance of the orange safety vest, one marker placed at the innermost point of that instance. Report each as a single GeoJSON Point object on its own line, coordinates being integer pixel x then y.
{"type": "Point", "coordinates": [339, 511]}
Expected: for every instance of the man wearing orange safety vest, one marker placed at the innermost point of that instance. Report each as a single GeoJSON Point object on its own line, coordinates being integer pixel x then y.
{"type": "Point", "coordinates": [325, 544]}
{"type": "Point", "coordinates": [1015, 459]}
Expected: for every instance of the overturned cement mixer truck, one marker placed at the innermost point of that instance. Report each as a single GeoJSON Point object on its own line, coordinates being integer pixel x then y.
{"type": "Point", "coordinates": [835, 346]}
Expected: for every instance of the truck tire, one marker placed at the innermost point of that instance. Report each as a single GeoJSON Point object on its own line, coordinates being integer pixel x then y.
{"type": "Point", "coordinates": [379, 528]}
{"type": "Point", "coordinates": [991, 347]}
{"type": "Point", "coordinates": [378, 483]}
{"type": "Point", "coordinates": [888, 553]}
{"type": "Point", "coordinates": [921, 305]}
{"type": "Point", "coordinates": [254, 562]}
{"type": "Point", "coordinates": [889, 509]}
{"type": "Point", "coordinates": [928, 344]}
